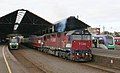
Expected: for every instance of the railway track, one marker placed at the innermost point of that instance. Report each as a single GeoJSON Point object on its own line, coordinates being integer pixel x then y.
{"type": "Point", "coordinates": [30, 66]}
{"type": "Point", "coordinates": [39, 62]}
{"type": "Point", "coordinates": [8, 64]}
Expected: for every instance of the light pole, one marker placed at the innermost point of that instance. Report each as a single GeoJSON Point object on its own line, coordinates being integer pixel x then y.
{"type": "Point", "coordinates": [103, 28]}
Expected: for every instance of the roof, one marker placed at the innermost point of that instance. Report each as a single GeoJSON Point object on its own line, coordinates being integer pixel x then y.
{"type": "Point", "coordinates": [102, 35]}
{"type": "Point", "coordinates": [70, 23]}
{"type": "Point", "coordinates": [30, 23]}
{"type": "Point", "coordinates": [116, 37]}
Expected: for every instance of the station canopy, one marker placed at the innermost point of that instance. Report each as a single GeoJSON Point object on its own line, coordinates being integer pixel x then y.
{"type": "Point", "coordinates": [23, 22]}
{"type": "Point", "coordinates": [70, 23]}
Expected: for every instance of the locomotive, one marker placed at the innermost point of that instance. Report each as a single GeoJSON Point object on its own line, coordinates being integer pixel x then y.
{"type": "Point", "coordinates": [13, 43]}
{"type": "Point", "coordinates": [69, 41]}
{"type": "Point", "coordinates": [73, 45]}
{"type": "Point", "coordinates": [117, 40]}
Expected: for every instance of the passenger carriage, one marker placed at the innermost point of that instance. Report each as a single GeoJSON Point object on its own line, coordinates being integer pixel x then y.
{"type": "Point", "coordinates": [106, 40]}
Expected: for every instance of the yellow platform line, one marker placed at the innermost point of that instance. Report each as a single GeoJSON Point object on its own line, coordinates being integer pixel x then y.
{"type": "Point", "coordinates": [8, 67]}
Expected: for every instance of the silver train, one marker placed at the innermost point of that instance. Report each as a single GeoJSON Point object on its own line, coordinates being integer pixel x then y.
{"type": "Point", "coordinates": [13, 43]}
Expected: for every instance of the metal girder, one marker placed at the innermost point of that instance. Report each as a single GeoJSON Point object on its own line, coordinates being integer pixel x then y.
{"type": "Point", "coordinates": [30, 23]}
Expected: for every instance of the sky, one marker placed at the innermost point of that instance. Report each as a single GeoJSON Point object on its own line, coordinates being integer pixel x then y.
{"type": "Point", "coordinates": [96, 13]}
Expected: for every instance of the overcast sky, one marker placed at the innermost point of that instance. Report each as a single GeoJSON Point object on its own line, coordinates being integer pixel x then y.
{"type": "Point", "coordinates": [96, 13]}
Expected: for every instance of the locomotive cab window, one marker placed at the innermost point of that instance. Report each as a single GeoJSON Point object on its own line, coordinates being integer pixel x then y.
{"type": "Point", "coordinates": [101, 41]}
{"type": "Point", "coordinates": [86, 37]}
{"type": "Point", "coordinates": [76, 37]}
{"type": "Point", "coordinates": [110, 40]}
{"type": "Point", "coordinates": [13, 40]}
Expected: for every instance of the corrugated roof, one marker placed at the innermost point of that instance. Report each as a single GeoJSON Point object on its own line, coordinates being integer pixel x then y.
{"type": "Point", "coordinates": [71, 23]}
{"type": "Point", "coordinates": [30, 24]}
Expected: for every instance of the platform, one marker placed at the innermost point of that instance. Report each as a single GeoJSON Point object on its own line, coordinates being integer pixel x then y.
{"type": "Point", "coordinates": [107, 58]}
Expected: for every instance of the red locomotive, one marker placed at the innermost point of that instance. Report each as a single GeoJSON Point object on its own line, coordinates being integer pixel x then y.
{"type": "Point", "coordinates": [74, 45]}
{"type": "Point", "coordinates": [71, 40]}
{"type": "Point", "coordinates": [117, 40]}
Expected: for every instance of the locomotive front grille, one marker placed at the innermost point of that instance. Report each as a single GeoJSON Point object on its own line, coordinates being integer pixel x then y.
{"type": "Point", "coordinates": [14, 46]}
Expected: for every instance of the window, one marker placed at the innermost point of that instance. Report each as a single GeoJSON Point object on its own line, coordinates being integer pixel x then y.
{"type": "Point", "coordinates": [13, 40]}
{"type": "Point", "coordinates": [45, 38]}
{"type": "Point", "coordinates": [86, 37]}
{"type": "Point", "coordinates": [76, 37]}
{"type": "Point", "coordinates": [109, 40]}
{"type": "Point", "coordinates": [101, 40]}
{"type": "Point", "coordinates": [48, 36]}
{"type": "Point", "coordinates": [59, 34]}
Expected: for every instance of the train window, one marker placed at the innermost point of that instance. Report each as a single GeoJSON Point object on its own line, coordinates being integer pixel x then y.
{"type": "Point", "coordinates": [76, 37]}
{"type": "Point", "coordinates": [48, 36]}
{"type": "Point", "coordinates": [53, 35]}
{"type": "Point", "coordinates": [109, 39]}
{"type": "Point", "coordinates": [13, 40]}
{"type": "Point", "coordinates": [86, 37]}
{"type": "Point", "coordinates": [45, 38]}
{"type": "Point", "coordinates": [77, 33]}
{"type": "Point", "coordinates": [51, 31]}
{"type": "Point", "coordinates": [59, 34]}
{"type": "Point", "coordinates": [101, 41]}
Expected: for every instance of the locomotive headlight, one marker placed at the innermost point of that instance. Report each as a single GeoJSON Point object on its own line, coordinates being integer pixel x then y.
{"type": "Point", "coordinates": [86, 53]}
{"type": "Point", "coordinates": [77, 53]}
{"type": "Point", "coordinates": [10, 43]}
{"type": "Point", "coordinates": [16, 43]}
{"type": "Point", "coordinates": [42, 43]}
